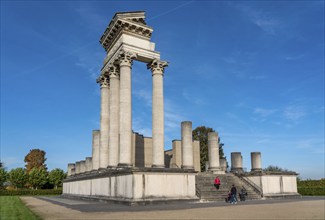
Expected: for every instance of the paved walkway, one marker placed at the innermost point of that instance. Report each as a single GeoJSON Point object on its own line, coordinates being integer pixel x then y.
{"type": "Point", "coordinates": [62, 208]}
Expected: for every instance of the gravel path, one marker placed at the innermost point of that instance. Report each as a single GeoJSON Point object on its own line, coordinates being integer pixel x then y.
{"type": "Point", "coordinates": [61, 208]}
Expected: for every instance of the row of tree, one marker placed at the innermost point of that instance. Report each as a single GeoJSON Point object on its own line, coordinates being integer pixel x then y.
{"type": "Point", "coordinates": [36, 178]}
{"type": "Point", "coordinates": [34, 175]}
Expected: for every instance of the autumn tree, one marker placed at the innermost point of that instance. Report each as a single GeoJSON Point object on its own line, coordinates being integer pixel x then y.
{"type": "Point", "coordinates": [37, 177]}
{"type": "Point", "coordinates": [35, 159]}
{"type": "Point", "coordinates": [18, 177]}
{"type": "Point", "coordinates": [201, 134]}
{"type": "Point", "coordinates": [56, 177]}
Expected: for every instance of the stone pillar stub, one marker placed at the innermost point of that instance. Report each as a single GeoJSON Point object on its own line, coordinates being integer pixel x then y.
{"type": "Point", "coordinates": [113, 155]}
{"type": "Point", "coordinates": [157, 68]}
{"type": "Point", "coordinates": [125, 62]}
{"type": "Point", "coordinates": [82, 166]}
{"type": "Point", "coordinates": [77, 168]}
{"type": "Point", "coordinates": [95, 149]}
{"type": "Point", "coordinates": [103, 80]}
{"type": "Point", "coordinates": [236, 162]}
{"type": "Point", "coordinates": [223, 164]}
{"type": "Point", "coordinates": [89, 164]}
{"type": "Point", "coordinates": [187, 146]}
{"type": "Point", "coordinates": [256, 161]}
{"type": "Point", "coordinates": [70, 167]}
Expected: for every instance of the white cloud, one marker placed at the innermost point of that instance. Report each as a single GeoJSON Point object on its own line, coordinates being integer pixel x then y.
{"type": "Point", "coordinates": [262, 19]}
{"type": "Point", "coordinates": [294, 113]}
{"type": "Point", "coordinates": [264, 112]}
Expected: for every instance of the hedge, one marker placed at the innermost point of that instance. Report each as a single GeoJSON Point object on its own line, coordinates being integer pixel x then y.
{"type": "Point", "coordinates": [311, 191]}
{"type": "Point", "coordinates": [30, 192]}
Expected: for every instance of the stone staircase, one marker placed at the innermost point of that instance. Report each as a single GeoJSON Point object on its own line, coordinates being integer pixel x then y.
{"type": "Point", "coordinates": [205, 189]}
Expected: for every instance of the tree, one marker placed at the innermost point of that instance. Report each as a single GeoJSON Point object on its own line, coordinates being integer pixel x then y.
{"type": "Point", "coordinates": [35, 159]}
{"type": "Point", "coordinates": [201, 134]}
{"type": "Point", "coordinates": [56, 177]}
{"type": "Point", "coordinates": [272, 168]}
{"type": "Point", "coordinates": [18, 177]}
{"type": "Point", "coordinates": [37, 177]}
{"type": "Point", "coordinates": [3, 176]}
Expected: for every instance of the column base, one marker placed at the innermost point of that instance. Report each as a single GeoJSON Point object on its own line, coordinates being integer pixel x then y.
{"type": "Point", "coordinates": [158, 166]}
{"type": "Point", "coordinates": [124, 165]}
{"type": "Point", "coordinates": [187, 167]}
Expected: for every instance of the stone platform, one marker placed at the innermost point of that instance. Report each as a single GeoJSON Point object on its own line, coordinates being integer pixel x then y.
{"type": "Point", "coordinates": [133, 186]}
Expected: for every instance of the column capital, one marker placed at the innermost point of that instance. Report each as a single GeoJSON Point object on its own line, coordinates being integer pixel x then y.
{"type": "Point", "coordinates": [125, 58]}
{"type": "Point", "coordinates": [157, 66]}
{"type": "Point", "coordinates": [103, 80]}
{"type": "Point", "coordinates": [114, 71]}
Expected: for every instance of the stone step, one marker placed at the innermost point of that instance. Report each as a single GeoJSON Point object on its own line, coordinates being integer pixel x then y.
{"type": "Point", "coordinates": [206, 190]}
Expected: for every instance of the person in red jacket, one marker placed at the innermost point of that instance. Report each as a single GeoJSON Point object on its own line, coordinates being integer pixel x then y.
{"type": "Point", "coordinates": [217, 182]}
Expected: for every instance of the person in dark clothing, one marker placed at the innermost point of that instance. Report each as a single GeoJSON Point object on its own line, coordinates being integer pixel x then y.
{"type": "Point", "coordinates": [233, 195]}
{"type": "Point", "coordinates": [242, 194]}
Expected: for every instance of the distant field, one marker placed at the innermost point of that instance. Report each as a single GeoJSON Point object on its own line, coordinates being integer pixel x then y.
{"type": "Point", "coordinates": [12, 208]}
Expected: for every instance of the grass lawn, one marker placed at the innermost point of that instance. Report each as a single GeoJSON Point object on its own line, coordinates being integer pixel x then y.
{"type": "Point", "coordinates": [11, 207]}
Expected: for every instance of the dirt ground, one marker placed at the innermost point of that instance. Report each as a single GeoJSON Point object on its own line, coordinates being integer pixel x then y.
{"type": "Point", "coordinates": [58, 208]}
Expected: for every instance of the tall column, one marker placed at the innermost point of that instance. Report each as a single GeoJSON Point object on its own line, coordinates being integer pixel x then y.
{"type": "Point", "coordinates": [187, 145]}
{"type": "Point", "coordinates": [213, 148]}
{"type": "Point", "coordinates": [256, 161]}
{"type": "Point", "coordinates": [114, 126]}
{"type": "Point", "coordinates": [157, 69]}
{"type": "Point", "coordinates": [125, 62]}
{"type": "Point", "coordinates": [95, 151]}
{"type": "Point", "coordinates": [103, 80]}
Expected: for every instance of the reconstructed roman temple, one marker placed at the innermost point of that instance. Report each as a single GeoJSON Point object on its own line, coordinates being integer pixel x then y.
{"type": "Point", "coordinates": [129, 168]}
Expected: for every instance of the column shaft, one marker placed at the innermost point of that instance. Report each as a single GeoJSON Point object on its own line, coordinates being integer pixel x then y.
{"type": "Point", "coordinates": [157, 121]}
{"type": "Point", "coordinates": [213, 148]}
{"type": "Point", "coordinates": [187, 145]}
{"type": "Point", "coordinates": [125, 115]}
{"type": "Point", "coordinates": [104, 123]}
{"type": "Point", "coordinates": [114, 119]}
{"type": "Point", "coordinates": [95, 147]}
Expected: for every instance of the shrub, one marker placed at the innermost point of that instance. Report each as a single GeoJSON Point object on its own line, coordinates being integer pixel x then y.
{"type": "Point", "coordinates": [31, 192]}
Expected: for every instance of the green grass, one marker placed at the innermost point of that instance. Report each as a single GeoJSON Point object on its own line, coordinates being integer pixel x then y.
{"type": "Point", "coordinates": [12, 208]}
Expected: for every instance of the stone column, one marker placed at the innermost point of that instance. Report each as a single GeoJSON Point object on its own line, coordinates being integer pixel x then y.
{"type": "Point", "coordinates": [103, 80]}
{"type": "Point", "coordinates": [77, 168]}
{"type": "Point", "coordinates": [213, 151]}
{"type": "Point", "coordinates": [82, 166]}
{"type": "Point", "coordinates": [113, 155]}
{"type": "Point", "coordinates": [89, 165]}
{"type": "Point", "coordinates": [236, 162]}
{"type": "Point", "coordinates": [187, 146]}
{"type": "Point", "coordinates": [125, 62]}
{"type": "Point", "coordinates": [70, 167]}
{"type": "Point", "coordinates": [223, 164]}
{"type": "Point", "coordinates": [95, 151]}
{"type": "Point", "coordinates": [256, 161]}
{"type": "Point", "coordinates": [157, 69]}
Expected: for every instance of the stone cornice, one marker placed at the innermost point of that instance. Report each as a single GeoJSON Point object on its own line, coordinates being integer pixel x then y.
{"type": "Point", "coordinates": [134, 25]}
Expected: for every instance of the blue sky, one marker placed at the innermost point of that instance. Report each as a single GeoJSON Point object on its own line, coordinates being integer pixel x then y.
{"type": "Point", "coordinates": [253, 71]}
